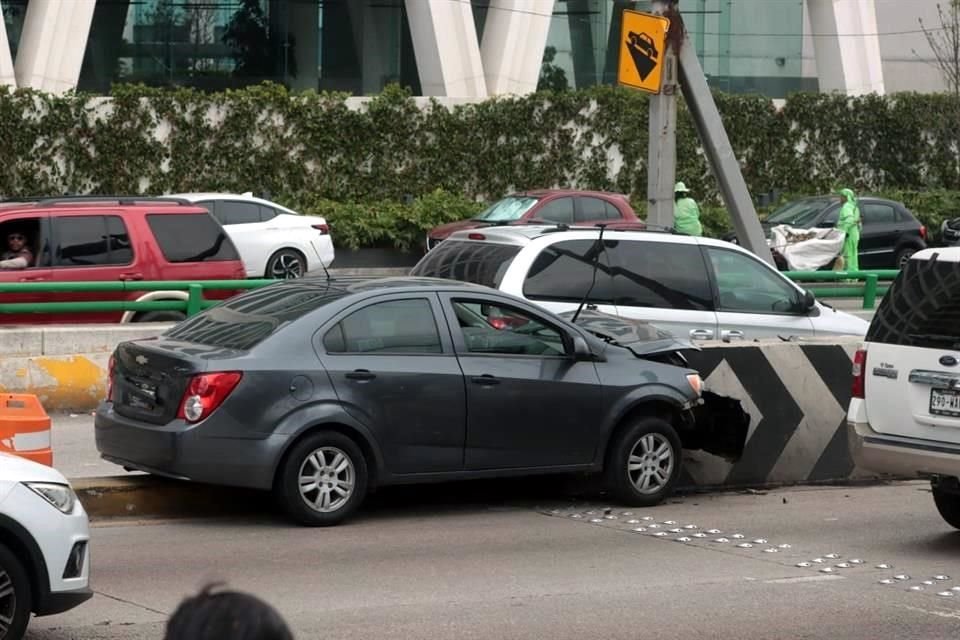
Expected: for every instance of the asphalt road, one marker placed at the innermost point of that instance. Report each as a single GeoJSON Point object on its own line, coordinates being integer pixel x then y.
{"type": "Point", "coordinates": [509, 560]}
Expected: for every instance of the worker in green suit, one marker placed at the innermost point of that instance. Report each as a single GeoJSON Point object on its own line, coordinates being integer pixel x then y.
{"type": "Point", "coordinates": [686, 213]}
{"type": "Point", "coordinates": [849, 222]}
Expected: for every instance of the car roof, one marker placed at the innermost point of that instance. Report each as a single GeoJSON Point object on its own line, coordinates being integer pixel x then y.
{"type": "Point", "coordinates": [525, 234]}
{"type": "Point", "coordinates": [398, 284]}
{"type": "Point", "coordinates": [245, 197]}
{"type": "Point", "coordinates": [943, 254]}
{"type": "Point", "coordinates": [126, 204]}
{"type": "Point", "coordinates": [540, 193]}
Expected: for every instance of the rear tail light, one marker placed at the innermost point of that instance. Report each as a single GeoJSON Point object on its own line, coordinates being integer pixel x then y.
{"type": "Point", "coordinates": [477, 236]}
{"type": "Point", "coordinates": [923, 231]}
{"type": "Point", "coordinates": [859, 373]}
{"type": "Point", "coordinates": [111, 366]}
{"type": "Point", "coordinates": [205, 393]}
{"type": "Point", "coordinates": [322, 228]}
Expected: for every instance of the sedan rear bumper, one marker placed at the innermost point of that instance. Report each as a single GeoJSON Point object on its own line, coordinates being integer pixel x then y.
{"type": "Point", "coordinates": [901, 456]}
{"type": "Point", "coordinates": [180, 450]}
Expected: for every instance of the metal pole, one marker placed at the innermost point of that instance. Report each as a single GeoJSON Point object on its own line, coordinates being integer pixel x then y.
{"type": "Point", "coordinates": [662, 151]}
{"type": "Point", "coordinates": [716, 144]}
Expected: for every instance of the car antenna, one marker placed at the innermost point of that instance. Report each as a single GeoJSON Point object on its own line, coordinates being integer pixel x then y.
{"type": "Point", "coordinates": [596, 267]}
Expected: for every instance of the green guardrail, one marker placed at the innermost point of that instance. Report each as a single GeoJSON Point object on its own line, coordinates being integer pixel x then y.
{"type": "Point", "coordinates": [194, 303]}
{"type": "Point", "coordinates": [868, 288]}
{"type": "Point", "coordinates": [865, 284]}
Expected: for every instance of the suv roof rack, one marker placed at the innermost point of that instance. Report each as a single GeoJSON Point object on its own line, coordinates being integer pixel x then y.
{"type": "Point", "coordinates": [121, 200]}
{"type": "Point", "coordinates": [627, 225]}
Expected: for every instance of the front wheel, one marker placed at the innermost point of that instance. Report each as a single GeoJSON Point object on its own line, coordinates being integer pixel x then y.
{"type": "Point", "coordinates": [948, 504]}
{"type": "Point", "coordinates": [323, 480]}
{"type": "Point", "coordinates": [14, 596]}
{"type": "Point", "coordinates": [643, 463]}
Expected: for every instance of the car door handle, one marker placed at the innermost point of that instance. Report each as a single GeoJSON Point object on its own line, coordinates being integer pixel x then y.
{"type": "Point", "coordinates": [701, 334]}
{"type": "Point", "coordinates": [32, 279]}
{"type": "Point", "coordinates": [732, 334]}
{"type": "Point", "coordinates": [361, 374]}
{"type": "Point", "coordinates": [131, 276]}
{"type": "Point", "coordinates": [486, 380]}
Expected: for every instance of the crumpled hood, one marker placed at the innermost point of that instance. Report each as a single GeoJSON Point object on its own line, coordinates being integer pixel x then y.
{"type": "Point", "coordinates": [641, 338]}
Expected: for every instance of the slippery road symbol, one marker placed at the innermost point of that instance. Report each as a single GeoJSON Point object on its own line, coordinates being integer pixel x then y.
{"type": "Point", "coordinates": [644, 53]}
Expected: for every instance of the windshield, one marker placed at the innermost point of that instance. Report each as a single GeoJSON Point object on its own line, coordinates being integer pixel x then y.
{"type": "Point", "coordinates": [481, 263]}
{"type": "Point", "coordinates": [799, 213]}
{"type": "Point", "coordinates": [510, 208]}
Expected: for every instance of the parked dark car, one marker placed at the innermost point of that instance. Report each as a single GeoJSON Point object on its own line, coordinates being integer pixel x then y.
{"type": "Point", "coordinates": [890, 235]}
{"type": "Point", "coordinates": [404, 380]}
{"type": "Point", "coordinates": [950, 232]}
{"type": "Point", "coordinates": [551, 205]}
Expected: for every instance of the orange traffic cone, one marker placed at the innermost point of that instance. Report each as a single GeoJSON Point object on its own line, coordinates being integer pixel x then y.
{"type": "Point", "coordinates": [25, 428]}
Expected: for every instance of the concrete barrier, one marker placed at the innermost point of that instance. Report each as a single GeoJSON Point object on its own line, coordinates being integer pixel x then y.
{"type": "Point", "coordinates": [66, 367]}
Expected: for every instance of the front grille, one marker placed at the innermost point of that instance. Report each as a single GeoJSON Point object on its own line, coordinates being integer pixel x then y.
{"type": "Point", "coordinates": [75, 562]}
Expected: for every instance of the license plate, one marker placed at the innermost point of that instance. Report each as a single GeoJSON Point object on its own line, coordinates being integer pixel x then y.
{"type": "Point", "coordinates": [945, 402]}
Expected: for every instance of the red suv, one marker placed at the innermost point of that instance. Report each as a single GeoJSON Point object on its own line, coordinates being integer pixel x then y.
{"type": "Point", "coordinates": [110, 239]}
{"type": "Point", "coordinates": [550, 205]}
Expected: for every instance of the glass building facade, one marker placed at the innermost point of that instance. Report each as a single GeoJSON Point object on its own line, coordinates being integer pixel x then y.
{"type": "Point", "coordinates": [360, 46]}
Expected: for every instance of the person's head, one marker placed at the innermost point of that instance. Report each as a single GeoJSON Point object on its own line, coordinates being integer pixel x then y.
{"type": "Point", "coordinates": [16, 240]}
{"type": "Point", "coordinates": [680, 191]}
{"type": "Point", "coordinates": [212, 615]}
{"type": "Point", "coordinates": [846, 195]}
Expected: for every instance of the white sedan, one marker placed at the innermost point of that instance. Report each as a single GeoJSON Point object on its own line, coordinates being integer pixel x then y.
{"type": "Point", "coordinates": [273, 241]}
{"type": "Point", "coordinates": [44, 540]}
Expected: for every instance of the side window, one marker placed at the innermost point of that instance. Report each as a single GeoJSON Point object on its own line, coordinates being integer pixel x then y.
{"type": "Point", "coordinates": [830, 220]}
{"type": "Point", "coordinates": [559, 210]}
{"type": "Point", "coordinates": [563, 271]}
{"type": "Point", "coordinates": [747, 285]}
{"type": "Point", "coordinates": [267, 213]}
{"type": "Point", "coordinates": [612, 212]}
{"type": "Point", "coordinates": [235, 212]}
{"type": "Point", "coordinates": [501, 330]}
{"type": "Point", "coordinates": [876, 213]}
{"type": "Point", "coordinates": [22, 237]}
{"type": "Point", "coordinates": [397, 326]}
{"type": "Point", "coordinates": [663, 275]}
{"type": "Point", "coordinates": [591, 209]}
{"type": "Point", "coordinates": [191, 237]}
{"type": "Point", "coordinates": [84, 241]}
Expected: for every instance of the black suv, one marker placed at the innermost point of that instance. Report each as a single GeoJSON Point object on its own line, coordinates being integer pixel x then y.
{"type": "Point", "coordinates": [890, 234]}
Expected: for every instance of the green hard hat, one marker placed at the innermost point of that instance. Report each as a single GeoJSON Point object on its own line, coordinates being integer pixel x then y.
{"type": "Point", "coordinates": [681, 188]}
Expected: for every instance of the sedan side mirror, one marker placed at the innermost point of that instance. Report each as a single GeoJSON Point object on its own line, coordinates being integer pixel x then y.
{"type": "Point", "coordinates": [809, 301]}
{"type": "Point", "coordinates": [581, 350]}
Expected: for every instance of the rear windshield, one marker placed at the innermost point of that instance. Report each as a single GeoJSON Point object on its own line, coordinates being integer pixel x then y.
{"type": "Point", "coordinates": [191, 237]}
{"type": "Point", "coordinates": [922, 307]}
{"type": "Point", "coordinates": [247, 320]}
{"type": "Point", "coordinates": [477, 262]}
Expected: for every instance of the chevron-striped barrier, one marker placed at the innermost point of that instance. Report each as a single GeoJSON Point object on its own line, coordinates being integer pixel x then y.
{"type": "Point", "coordinates": [797, 396]}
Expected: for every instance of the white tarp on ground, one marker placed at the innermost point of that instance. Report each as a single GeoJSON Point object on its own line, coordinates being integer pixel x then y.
{"type": "Point", "coordinates": [807, 249]}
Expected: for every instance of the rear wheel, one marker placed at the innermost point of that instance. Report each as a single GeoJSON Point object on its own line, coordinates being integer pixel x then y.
{"type": "Point", "coordinates": [15, 596]}
{"type": "Point", "coordinates": [643, 463]}
{"type": "Point", "coordinates": [904, 255]}
{"type": "Point", "coordinates": [948, 504]}
{"type": "Point", "coordinates": [323, 479]}
{"type": "Point", "coordinates": [286, 264]}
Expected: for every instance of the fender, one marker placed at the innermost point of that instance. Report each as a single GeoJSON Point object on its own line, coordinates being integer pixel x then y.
{"type": "Point", "coordinates": [151, 296]}
{"type": "Point", "coordinates": [37, 566]}
{"type": "Point", "coordinates": [654, 392]}
{"type": "Point", "coordinates": [305, 418]}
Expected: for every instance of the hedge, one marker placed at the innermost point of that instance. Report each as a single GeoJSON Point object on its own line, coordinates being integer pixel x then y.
{"type": "Point", "coordinates": [314, 150]}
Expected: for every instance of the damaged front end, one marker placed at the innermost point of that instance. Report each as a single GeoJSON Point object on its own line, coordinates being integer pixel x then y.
{"type": "Point", "coordinates": [719, 425]}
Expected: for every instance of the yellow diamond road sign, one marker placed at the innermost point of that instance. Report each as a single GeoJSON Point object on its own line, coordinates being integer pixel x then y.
{"type": "Point", "coordinates": [643, 41]}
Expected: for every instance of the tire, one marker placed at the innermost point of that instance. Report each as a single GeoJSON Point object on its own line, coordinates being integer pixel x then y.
{"type": "Point", "coordinates": [306, 506]}
{"type": "Point", "coordinates": [948, 504]}
{"type": "Point", "coordinates": [286, 264]}
{"type": "Point", "coordinates": [903, 256]}
{"type": "Point", "coordinates": [160, 316]}
{"type": "Point", "coordinates": [17, 604]}
{"type": "Point", "coordinates": [642, 441]}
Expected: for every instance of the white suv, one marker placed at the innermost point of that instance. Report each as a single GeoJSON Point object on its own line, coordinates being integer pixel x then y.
{"type": "Point", "coordinates": [693, 287]}
{"type": "Point", "coordinates": [904, 417]}
{"type": "Point", "coordinates": [273, 241]}
{"type": "Point", "coordinates": [44, 545]}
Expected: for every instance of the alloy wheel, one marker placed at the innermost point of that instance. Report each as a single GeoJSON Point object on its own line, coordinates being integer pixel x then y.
{"type": "Point", "coordinates": [8, 603]}
{"type": "Point", "coordinates": [327, 479]}
{"type": "Point", "coordinates": [650, 464]}
{"type": "Point", "coordinates": [286, 266]}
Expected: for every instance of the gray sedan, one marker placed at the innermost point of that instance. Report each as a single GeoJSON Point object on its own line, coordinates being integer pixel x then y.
{"type": "Point", "coordinates": [321, 391]}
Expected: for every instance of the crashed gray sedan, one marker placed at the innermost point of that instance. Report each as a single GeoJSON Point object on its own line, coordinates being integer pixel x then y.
{"type": "Point", "coordinates": [321, 391]}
